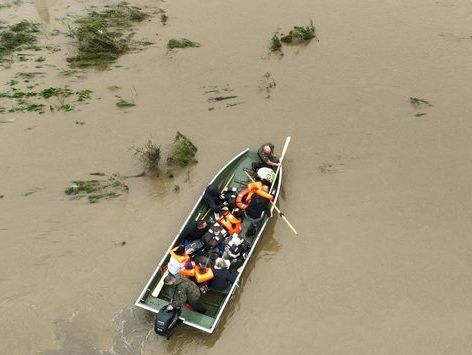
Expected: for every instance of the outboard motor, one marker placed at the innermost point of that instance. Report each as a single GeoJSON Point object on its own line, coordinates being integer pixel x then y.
{"type": "Point", "coordinates": [166, 321]}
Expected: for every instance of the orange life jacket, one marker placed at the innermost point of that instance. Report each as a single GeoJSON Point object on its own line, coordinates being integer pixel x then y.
{"type": "Point", "coordinates": [188, 272]}
{"type": "Point", "coordinates": [182, 259]}
{"type": "Point", "coordinates": [230, 222]}
{"type": "Point", "coordinates": [244, 197]}
{"type": "Point", "coordinates": [202, 276]}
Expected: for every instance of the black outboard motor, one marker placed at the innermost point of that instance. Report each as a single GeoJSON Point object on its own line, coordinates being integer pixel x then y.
{"type": "Point", "coordinates": [166, 321]}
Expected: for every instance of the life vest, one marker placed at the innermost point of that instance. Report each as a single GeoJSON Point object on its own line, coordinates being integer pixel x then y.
{"type": "Point", "coordinates": [188, 272]}
{"type": "Point", "coordinates": [244, 197]}
{"type": "Point", "coordinates": [231, 223]}
{"type": "Point", "coordinates": [182, 259]}
{"type": "Point", "coordinates": [202, 276]}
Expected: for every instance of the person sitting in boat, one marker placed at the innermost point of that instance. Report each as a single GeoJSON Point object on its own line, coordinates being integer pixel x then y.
{"type": "Point", "coordinates": [179, 256]}
{"type": "Point", "coordinates": [185, 291]}
{"type": "Point", "coordinates": [194, 230]}
{"type": "Point", "coordinates": [214, 200]}
{"type": "Point", "coordinates": [267, 155]}
{"type": "Point", "coordinates": [223, 276]}
{"type": "Point", "coordinates": [256, 209]}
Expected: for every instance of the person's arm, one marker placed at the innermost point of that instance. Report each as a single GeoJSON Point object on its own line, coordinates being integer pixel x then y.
{"type": "Point", "coordinates": [179, 298]}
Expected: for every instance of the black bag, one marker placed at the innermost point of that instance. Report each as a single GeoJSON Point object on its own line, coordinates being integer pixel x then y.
{"type": "Point", "coordinates": [166, 321]}
{"type": "Point", "coordinates": [197, 246]}
{"type": "Point", "coordinates": [212, 240]}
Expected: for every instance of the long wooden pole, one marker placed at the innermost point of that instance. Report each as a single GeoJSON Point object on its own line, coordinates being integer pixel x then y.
{"type": "Point", "coordinates": [278, 210]}
{"type": "Point", "coordinates": [287, 142]}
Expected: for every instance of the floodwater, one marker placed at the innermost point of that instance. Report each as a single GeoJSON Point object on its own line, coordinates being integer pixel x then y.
{"type": "Point", "coordinates": [381, 198]}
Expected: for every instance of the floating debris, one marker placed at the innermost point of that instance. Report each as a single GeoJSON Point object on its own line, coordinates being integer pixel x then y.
{"type": "Point", "coordinates": [32, 191]}
{"type": "Point", "coordinates": [20, 36]}
{"type": "Point", "coordinates": [182, 43]}
{"type": "Point", "coordinates": [164, 18]}
{"type": "Point", "coordinates": [266, 84]}
{"type": "Point", "coordinates": [221, 98]}
{"type": "Point", "coordinates": [300, 34]}
{"type": "Point", "coordinates": [275, 44]}
{"type": "Point", "coordinates": [420, 114]}
{"type": "Point", "coordinates": [103, 36]}
{"type": "Point", "coordinates": [149, 155]}
{"type": "Point", "coordinates": [124, 103]}
{"type": "Point", "coordinates": [96, 190]}
{"type": "Point", "coordinates": [418, 102]}
{"type": "Point", "coordinates": [40, 59]}
{"type": "Point", "coordinates": [176, 188]}
{"type": "Point", "coordinates": [182, 152]}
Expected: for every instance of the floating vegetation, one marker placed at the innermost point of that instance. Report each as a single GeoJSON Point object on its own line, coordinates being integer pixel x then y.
{"type": "Point", "coordinates": [20, 36]}
{"type": "Point", "coordinates": [95, 190]}
{"type": "Point", "coordinates": [10, 3]}
{"type": "Point", "coordinates": [149, 155]}
{"type": "Point", "coordinates": [176, 188]}
{"type": "Point", "coordinates": [420, 114]}
{"type": "Point", "coordinates": [40, 59]}
{"type": "Point", "coordinates": [28, 76]}
{"type": "Point", "coordinates": [221, 98]}
{"type": "Point", "coordinates": [24, 104]}
{"type": "Point", "coordinates": [182, 43]}
{"type": "Point", "coordinates": [105, 35]}
{"type": "Point", "coordinates": [300, 34]}
{"type": "Point", "coordinates": [32, 191]}
{"type": "Point", "coordinates": [164, 18]}
{"type": "Point", "coordinates": [275, 43]}
{"type": "Point", "coordinates": [266, 84]}
{"type": "Point", "coordinates": [182, 152]}
{"type": "Point", "coordinates": [124, 103]}
{"type": "Point", "coordinates": [417, 102]}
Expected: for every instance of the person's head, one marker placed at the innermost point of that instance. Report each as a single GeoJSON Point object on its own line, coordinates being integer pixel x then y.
{"type": "Point", "coordinates": [220, 263]}
{"type": "Point", "coordinates": [180, 250]}
{"type": "Point", "coordinates": [267, 149]}
{"type": "Point", "coordinates": [265, 188]}
{"type": "Point", "coordinates": [169, 280]}
{"type": "Point", "coordinates": [201, 224]}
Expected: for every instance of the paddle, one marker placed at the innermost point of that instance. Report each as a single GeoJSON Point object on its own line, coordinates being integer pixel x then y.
{"type": "Point", "coordinates": [159, 285]}
{"type": "Point", "coordinates": [277, 209]}
{"type": "Point", "coordinates": [287, 142]}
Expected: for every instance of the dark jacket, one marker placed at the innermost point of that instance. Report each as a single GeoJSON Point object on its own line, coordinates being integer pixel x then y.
{"type": "Point", "coordinates": [185, 292]}
{"type": "Point", "coordinates": [267, 157]}
{"type": "Point", "coordinates": [223, 278]}
{"type": "Point", "coordinates": [212, 198]}
{"type": "Point", "coordinates": [191, 232]}
{"type": "Point", "coordinates": [258, 205]}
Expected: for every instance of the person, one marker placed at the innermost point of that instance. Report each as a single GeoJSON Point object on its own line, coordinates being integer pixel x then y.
{"type": "Point", "coordinates": [256, 208]}
{"type": "Point", "coordinates": [213, 199]}
{"type": "Point", "coordinates": [179, 256]}
{"type": "Point", "coordinates": [223, 277]}
{"type": "Point", "coordinates": [185, 291]}
{"type": "Point", "coordinates": [194, 230]}
{"type": "Point", "coordinates": [266, 154]}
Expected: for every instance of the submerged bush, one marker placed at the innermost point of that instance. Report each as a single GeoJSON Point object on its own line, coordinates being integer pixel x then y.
{"type": "Point", "coordinates": [182, 43]}
{"type": "Point", "coordinates": [95, 190]}
{"type": "Point", "coordinates": [104, 36]}
{"type": "Point", "coordinates": [149, 155]}
{"type": "Point", "coordinates": [182, 152]}
{"type": "Point", "coordinates": [23, 35]}
{"type": "Point", "coordinates": [300, 34]}
{"type": "Point", "coordinates": [275, 44]}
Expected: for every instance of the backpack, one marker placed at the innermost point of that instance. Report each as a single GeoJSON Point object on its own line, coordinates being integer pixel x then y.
{"type": "Point", "coordinates": [210, 239]}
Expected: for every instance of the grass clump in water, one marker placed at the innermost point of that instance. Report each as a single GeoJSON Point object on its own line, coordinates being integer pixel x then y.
{"type": "Point", "coordinates": [95, 190]}
{"type": "Point", "coordinates": [182, 43]}
{"type": "Point", "coordinates": [182, 152]}
{"type": "Point", "coordinates": [104, 36]}
{"type": "Point", "coordinates": [300, 34]}
{"type": "Point", "coordinates": [124, 103]}
{"type": "Point", "coordinates": [275, 43]}
{"type": "Point", "coordinates": [21, 36]}
{"type": "Point", "coordinates": [149, 155]}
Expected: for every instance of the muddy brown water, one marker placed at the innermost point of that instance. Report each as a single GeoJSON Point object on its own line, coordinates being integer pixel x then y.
{"type": "Point", "coordinates": [381, 198]}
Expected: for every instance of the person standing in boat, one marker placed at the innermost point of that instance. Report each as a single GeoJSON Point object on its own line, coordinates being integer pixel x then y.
{"type": "Point", "coordinates": [267, 154]}
{"type": "Point", "coordinates": [185, 291]}
{"type": "Point", "coordinates": [255, 211]}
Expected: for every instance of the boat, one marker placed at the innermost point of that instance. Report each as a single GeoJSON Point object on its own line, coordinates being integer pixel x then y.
{"type": "Point", "coordinates": [155, 294]}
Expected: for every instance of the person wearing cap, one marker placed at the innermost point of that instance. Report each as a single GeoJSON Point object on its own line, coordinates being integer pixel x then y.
{"type": "Point", "coordinates": [223, 277]}
{"type": "Point", "coordinates": [266, 154]}
{"type": "Point", "coordinates": [185, 291]}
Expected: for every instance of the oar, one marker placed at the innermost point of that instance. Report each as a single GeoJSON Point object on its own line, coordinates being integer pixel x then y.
{"type": "Point", "coordinates": [287, 142]}
{"type": "Point", "coordinates": [279, 211]}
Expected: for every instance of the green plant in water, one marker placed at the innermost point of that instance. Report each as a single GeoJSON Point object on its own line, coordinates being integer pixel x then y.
{"type": "Point", "coordinates": [182, 43]}
{"type": "Point", "coordinates": [275, 44]}
{"type": "Point", "coordinates": [300, 34]}
{"type": "Point", "coordinates": [16, 37]}
{"type": "Point", "coordinates": [123, 103]}
{"type": "Point", "coordinates": [40, 59]}
{"type": "Point", "coordinates": [149, 155]}
{"type": "Point", "coordinates": [182, 152]}
{"type": "Point", "coordinates": [101, 36]}
{"type": "Point", "coordinates": [164, 18]}
{"type": "Point", "coordinates": [84, 94]}
{"type": "Point", "coordinates": [95, 190]}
